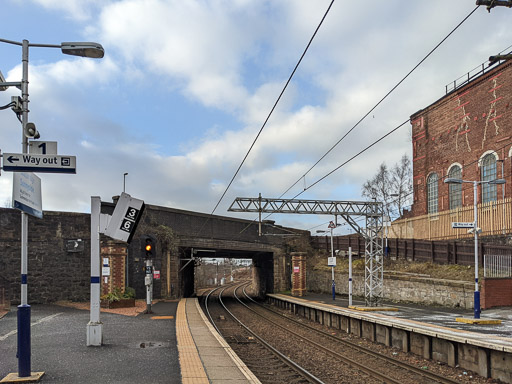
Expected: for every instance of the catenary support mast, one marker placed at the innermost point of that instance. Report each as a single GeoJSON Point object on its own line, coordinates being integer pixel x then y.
{"type": "Point", "coordinates": [348, 210]}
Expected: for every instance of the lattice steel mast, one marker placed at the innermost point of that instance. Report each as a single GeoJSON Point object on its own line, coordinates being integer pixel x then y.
{"type": "Point", "coordinates": [373, 233]}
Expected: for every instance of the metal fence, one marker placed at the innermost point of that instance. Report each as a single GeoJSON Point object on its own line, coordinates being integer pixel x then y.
{"type": "Point", "coordinates": [440, 252]}
{"type": "Point", "coordinates": [494, 219]}
{"type": "Point", "coordinates": [497, 265]}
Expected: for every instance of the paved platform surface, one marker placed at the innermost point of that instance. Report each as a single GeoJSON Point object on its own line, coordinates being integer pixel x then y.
{"type": "Point", "coordinates": [136, 349]}
{"type": "Point", "coordinates": [175, 344]}
{"type": "Point", "coordinates": [433, 315]}
{"type": "Point", "coordinates": [205, 357]}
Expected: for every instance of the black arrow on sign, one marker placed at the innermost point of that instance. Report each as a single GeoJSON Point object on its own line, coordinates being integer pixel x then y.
{"type": "Point", "coordinates": [12, 159]}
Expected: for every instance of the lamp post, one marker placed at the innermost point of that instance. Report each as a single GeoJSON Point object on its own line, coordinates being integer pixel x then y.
{"type": "Point", "coordinates": [93, 50]}
{"type": "Point", "coordinates": [476, 299]}
{"type": "Point", "coordinates": [124, 181]}
{"type": "Point", "coordinates": [331, 227]}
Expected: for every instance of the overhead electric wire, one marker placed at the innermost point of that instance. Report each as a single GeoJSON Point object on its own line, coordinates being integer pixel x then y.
{"type": "Point", "coordinates": [334, 170]}
{"type": "Point", "coordinates": [357, 124]}
{"type": "Point", "coordinates": [381, 100]}
{"type": "Point", "coordinates": [271, 112]}
{"type": "Point", "coordinates": [346, 162]}
{"type": "Point", "coordinates": [274, 106]}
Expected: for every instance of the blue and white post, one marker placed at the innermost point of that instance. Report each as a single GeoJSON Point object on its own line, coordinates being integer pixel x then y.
{"type": "Point", "coordinates": [24, 344]}
{"type": "Point", "coordinates": [95, 326]}
{"type": "Point", "coordinates": [334, 264]}
{"type": "Point", "coordinates": [349, 276]}
{"type": "Point", "coordinates": [476, 304]}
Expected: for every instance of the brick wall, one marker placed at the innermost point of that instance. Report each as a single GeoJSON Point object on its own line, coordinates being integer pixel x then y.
{"type": "Point", "coordinates": [460, 128]}
{"type": "Point", "coordinates": [496, 292]}
{"type": "Point", "coordinates": [298, 273]}
{"type": "Point", "coordinates": [116, 254]}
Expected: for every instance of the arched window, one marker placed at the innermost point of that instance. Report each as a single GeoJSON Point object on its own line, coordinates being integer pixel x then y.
{"type": "Point", "coordinates": [455, 190]}
{"type": "Point", "coordinates": [432, 194]}
{"type": "Point", "coordinates": [488, 172]}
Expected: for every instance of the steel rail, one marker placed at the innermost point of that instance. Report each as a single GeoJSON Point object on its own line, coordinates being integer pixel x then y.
{"type": "Point", "coordinates": [304, 373]}
{"type": "Point", "coordinates": [208, 311]}
{"type": "Point", "coordinates": [346, 360]}
{"type": "Point", "coordinates": [397, 363]}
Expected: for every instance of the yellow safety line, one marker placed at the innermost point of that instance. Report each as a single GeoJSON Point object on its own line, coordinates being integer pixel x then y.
{"type": "Point", "coordinates": [477, 321]}
{"type": "Point", "coordinates": [192, 370]}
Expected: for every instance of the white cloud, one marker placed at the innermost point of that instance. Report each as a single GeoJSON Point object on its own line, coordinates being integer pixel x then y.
{"type": "Point", "coordinates": [233, 58]}
{"type": "Point", "coordinates": [79, 10]}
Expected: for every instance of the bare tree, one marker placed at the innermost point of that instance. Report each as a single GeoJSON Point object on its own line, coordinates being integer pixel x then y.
{"type": "Point", "coordinates": [401, 184]}
{"type": "Point", "coordinates": [391, 187]}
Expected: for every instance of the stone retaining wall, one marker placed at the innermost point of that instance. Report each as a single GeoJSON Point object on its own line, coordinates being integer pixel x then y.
{"type": "Point", "coordinates": [419, 290]}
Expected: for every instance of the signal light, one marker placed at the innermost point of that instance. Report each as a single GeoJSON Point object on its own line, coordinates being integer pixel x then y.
{"type": "Point", "coordinates": [148, 246]}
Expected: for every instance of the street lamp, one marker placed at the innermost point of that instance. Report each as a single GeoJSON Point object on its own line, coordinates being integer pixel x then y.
{"type": "Point", "coordinates": [93, 50]}
{"type": "Point", "coordinates": [124, 181]}
{"type": "Point", "coordinates": [331, 227]}
{"type": "Point", "coordinates": [449, 180]}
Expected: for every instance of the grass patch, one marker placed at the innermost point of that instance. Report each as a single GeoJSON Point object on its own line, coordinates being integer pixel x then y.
{"type": "Point", "coordinates": [430, 270]}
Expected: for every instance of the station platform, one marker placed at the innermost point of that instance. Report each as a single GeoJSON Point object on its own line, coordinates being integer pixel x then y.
{"type": "Point", "coordinates": [440, 316]}
{"type": "Point", "coordinates": [174, 344]}
{"type": "Point", "coordinates": [432, 333]}
{"type": "Point", "coordinates": [204, 355]}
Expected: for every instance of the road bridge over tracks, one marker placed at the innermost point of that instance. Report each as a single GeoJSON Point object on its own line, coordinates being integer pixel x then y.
{"type": "Point", "coordinates": [185, 236]}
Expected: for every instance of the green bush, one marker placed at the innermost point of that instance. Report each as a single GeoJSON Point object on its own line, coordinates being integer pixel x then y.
{"type": "Point", "coordinates": [129, 293]}
{"type": "Point", "coordinates": [117, 294]}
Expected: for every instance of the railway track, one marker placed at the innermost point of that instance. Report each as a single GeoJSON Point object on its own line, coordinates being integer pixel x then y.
{"type": "Point", "coordinates": [268, 364]}
{"type": "Point", "coordinates": [368, 360]}
{"type": "Point", "coordinates": [249, 326]}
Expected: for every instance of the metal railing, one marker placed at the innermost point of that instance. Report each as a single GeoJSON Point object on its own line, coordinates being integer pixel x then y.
{"type": "Point", "coordinates": [497, 265]}
{"type": "Point", "coordinates": [475, 72]}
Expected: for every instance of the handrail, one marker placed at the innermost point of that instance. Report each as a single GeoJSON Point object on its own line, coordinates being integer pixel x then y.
{"type": "Point", "coordinates": [472, 74]}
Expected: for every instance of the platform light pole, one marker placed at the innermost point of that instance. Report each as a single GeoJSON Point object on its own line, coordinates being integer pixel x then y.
{"type": "Point", "coordinates": [331, 228]}
{"type": "Point", "coordinates": [93, 50]}
{"type": "Point", "coordinates": [449, 180]}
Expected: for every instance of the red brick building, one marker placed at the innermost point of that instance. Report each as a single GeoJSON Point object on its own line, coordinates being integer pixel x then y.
{"type": "Point", "coordinates": [466, 134]}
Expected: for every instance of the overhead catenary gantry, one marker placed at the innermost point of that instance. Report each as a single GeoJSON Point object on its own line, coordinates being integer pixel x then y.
{"type": "Point", "coordinates": [348, 210]}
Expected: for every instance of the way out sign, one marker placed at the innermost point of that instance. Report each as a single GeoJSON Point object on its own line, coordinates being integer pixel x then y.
{"type": "Point", "coordinates": [463, 225]}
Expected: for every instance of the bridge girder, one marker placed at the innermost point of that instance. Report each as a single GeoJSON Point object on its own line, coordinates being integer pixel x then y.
{"type": "Point", "coordinates": [373, 233]}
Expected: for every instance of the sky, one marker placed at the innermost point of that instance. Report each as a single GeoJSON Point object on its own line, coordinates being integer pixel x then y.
{"type": "Point", "coordinates": [185, 87]}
